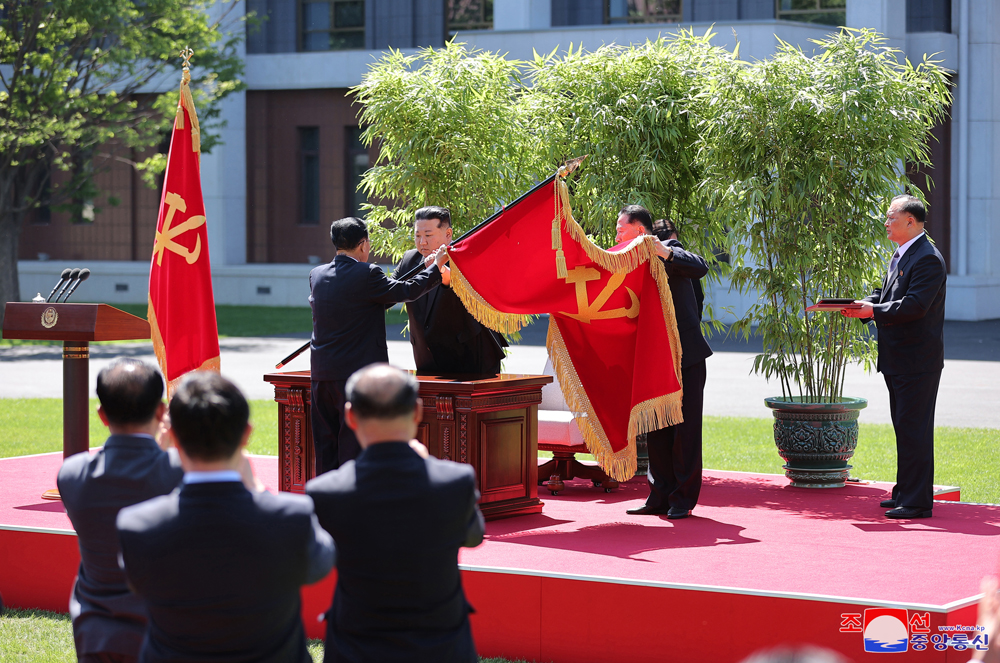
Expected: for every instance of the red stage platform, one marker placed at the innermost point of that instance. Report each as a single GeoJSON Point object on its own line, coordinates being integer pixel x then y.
{"type": "Point", "coordinates": [759, 563]}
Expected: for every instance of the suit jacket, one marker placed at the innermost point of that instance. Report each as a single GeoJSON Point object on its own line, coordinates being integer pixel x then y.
{"type": "Point", "coordinates": [684, 272]}
{"type": "Point", "coordinates": [909, 312]}
{"type": "Point", "coordinates": [348, 300]}
{"type": "Point", "coordinates": [398, 521]}
{"type": "Point", "coordinates": [128, 469]}
{"type": "Point", "coordinates": [221, 568]}
{"type": "Point", "coordinates": [445, 336]}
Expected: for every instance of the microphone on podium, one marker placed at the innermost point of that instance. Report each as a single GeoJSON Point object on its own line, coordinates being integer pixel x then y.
{"type": "Point", "coordinates": [72, 276]}
{"type": "Point", "coordinates": [84, 275]}
{"type": "Point", "coordinates": [62, 279]}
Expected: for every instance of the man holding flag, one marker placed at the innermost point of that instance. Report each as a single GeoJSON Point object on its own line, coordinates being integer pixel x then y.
{"type": "Point", "coordinates": [181, 304]}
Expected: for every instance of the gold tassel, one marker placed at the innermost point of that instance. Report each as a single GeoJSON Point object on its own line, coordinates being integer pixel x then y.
{"type": "Point", "coordinates": [561, 264]}
{"type": "Point", "coordinates": [481, 310]}
{"type": "Point", "coordinates": [620, 465]}
{"type": "Point", "coordinates": [187, 102]}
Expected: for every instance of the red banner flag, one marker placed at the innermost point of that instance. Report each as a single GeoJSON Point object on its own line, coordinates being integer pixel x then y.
{"type": "Point", "coordinates": [181, 305]}
{"type": "Point", "coordinates": [612, 333]}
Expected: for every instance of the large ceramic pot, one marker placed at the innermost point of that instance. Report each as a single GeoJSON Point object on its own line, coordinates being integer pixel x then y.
{"type": "Point", "coordinates": [816, 439]}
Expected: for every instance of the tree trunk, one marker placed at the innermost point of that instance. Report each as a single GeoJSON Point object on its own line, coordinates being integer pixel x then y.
{"type": "Point", "coordinates": [10, 236]}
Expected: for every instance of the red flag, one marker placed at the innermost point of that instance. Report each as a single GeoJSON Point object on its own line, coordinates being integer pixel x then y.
{"type": "Point", "coordinates": [612, 332]}
{"type": "Point", "coordinates": [181, 305]}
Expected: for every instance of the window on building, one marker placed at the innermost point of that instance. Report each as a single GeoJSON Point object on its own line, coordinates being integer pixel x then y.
{"type": "Point", "coordinates": [309, 176]}
{"type": "Point", "coordinates": [332, 25]}
{"type": "Point", "coordinates": [928, 15]}
{"type": "Point", "coordinates": [469, 15]}
{"type": "Point", "coordinates": [826, 12]}
{"type": "Point", "coordinates": [356, 156]}
{"type": "Point", "coordinates": [642, 11]}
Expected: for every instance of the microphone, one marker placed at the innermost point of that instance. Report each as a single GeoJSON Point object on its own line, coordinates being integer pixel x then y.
{"type": "Point", "coordinates": [72, 275]}
{"type": "Point", "coordinates": [84, 275]}
{"type": "Point", "coordinates": [62, 279]}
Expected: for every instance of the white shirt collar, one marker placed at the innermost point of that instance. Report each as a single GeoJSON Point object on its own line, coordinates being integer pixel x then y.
{"type": "Point", "coordinates": [212, 477]}
{"type": "Point", "coordinates": [903, 247]}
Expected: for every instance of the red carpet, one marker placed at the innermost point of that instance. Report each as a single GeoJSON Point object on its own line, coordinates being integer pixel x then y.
{"type": "Point", "coordinates": [758, 563]}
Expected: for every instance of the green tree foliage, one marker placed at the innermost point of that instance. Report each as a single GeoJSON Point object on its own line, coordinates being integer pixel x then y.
{"type": "Point", "coordinates": [451, 131]}
{"type": "Point", "coordinates": [76, 78]}
{"type": "Point", "coordinates": [802, 156]}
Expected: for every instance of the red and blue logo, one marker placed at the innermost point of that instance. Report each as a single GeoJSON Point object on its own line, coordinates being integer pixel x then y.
{"type": "Point", "coordinates": [885, 630]}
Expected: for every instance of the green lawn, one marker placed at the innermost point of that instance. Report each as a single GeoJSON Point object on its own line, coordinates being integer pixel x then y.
{"type": "Point", "coordinates": [30, 426]}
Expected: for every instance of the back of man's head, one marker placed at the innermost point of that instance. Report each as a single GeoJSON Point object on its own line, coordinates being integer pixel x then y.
{"type": "Point", "coordinates": [911, 205]}
{"type": "Point", "coordinates": [129, 391]}
{"type": "Point", "coordinates": [442, 214]}
{"type": "Point", "coordinates": [347, 234]}
{"type": "Point", "coordinates": [639, 214]}
{"type": "Point", "coordinates": [208, 416]}
{"type": "Point", "coordinates": [381, 391]}
{"type": "Point", "coordinates": [664, 229]}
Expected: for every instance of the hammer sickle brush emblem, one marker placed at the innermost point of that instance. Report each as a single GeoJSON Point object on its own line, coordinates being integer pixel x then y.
{"type": "Point", "coordinates": [165, 238]}
{"type": "Point", "coordinates": [587, 310]}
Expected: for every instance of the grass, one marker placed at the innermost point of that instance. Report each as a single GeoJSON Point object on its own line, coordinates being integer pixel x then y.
{"type": "Point", "coordinates": [237, 321]}
{"type": "Point", "coordinates": [962, 455]}
{"type": "Point", "coordinates": [40, 636]}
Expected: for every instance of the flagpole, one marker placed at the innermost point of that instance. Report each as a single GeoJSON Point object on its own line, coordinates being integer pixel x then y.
{"type": "Point", "coordinates": [564, 170]}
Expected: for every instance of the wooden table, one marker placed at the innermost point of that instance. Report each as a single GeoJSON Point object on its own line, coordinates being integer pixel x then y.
{"type": "Point", "coordinates": [490, 423]}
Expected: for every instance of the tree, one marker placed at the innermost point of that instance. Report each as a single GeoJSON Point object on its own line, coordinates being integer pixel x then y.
{"type": "Point", "coordinates": [72, 79]}
{"type": "Point", "coordinates": [803, 155]}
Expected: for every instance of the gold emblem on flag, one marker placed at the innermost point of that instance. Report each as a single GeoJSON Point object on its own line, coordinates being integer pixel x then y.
{"type": "Point", "coordinates": [587, 310]}
{"type": "Point", "coordinates": [165, 238]}
{"type": "Point", "coordinates": [50, 317]}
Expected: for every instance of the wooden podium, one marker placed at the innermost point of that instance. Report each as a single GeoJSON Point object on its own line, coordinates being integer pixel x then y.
{"type": "Point", "coordinates": [490, 423]}
{"type": "Point", "coordinates": [75, 325]}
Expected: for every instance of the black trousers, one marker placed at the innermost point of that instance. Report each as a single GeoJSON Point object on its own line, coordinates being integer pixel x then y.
{"type": "Point", "coordinates": [912, 399]}
{"type": "Point", "coordinates": [674, 474]}
{"type": "Point", "coordinates": [333, 440]}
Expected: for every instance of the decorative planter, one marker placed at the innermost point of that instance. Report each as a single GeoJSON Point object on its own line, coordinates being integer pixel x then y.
{"type": "Point", "coordinates": [816, 439]}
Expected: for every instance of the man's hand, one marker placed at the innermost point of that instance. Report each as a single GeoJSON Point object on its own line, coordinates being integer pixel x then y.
{"type": "Point", "coordinates": [866, 310]}
{"type": "Point", "coordinates": [246, 472]}
{"type": "Point", "coordinates": [664, 251]}
{"type": "Point", "coordinates": [419, 448]}
{"type": "Point", "coordinates": [441, 257]}
{"type": "Point", "coordinates": [429, 260]}
{"type": "Point", "coordinates": [163, 438]}
{"type": "Point", "coordinates": [446, 276]}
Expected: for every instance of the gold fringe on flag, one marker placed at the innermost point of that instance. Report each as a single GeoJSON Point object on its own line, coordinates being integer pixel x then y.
{"type": "Point", "coordinates": [620, 465]}
{"type": "Point", "coordinates": [505, 323]}
{"type": "Point", "coordinates": [212, 364]}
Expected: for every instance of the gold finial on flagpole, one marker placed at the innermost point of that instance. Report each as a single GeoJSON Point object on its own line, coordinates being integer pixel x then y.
{"type": "Point", "coordinates": [187, 54]}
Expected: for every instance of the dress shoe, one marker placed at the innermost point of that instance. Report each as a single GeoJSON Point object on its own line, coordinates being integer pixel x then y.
{"type": "Point", "coordinates": [887, 504]}
{"type": "Point", "coordinates": [646, 511]}
{"type": "Point", "coordinates": [676, 514]}
{"type": "Point", "coordinates": [907, 512]}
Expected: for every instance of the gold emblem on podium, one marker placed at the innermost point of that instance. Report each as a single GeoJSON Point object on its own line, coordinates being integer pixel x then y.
{"type": "Point", "coordinates": [50, 317]}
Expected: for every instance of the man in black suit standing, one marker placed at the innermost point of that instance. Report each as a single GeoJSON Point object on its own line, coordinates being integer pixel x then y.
{"type": "Point", "coordinates": [399, 518]}
{"type": "Point", "coordinates": [909, 314]}
{"type": "Point", "coordinates": [221, 566]}
{"type": "Point", "coordinates": [674, 473]}
{"type": "Point", "coordinates": [349, 298]}
{"type": "Point", "coordinates": [446, 338]}
{"type": "Point", "coordinates": [109, 621]}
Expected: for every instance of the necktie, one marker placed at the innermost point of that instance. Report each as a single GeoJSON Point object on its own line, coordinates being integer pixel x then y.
{"type": "Point", "coordinates": [895, 259]}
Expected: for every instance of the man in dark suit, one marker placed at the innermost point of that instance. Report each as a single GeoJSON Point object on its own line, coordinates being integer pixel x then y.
{"type": "Point", "coordinates": [221, 566]}
{"type": "Point", "coordinates": [909, 314]}
{"type": "Point", "coordinates": [674, 473]}
{"type": "Point", "coordinates": [399, 518]}
{"type": "Point", "coordinates": [446, 339]}
{"type": "Point", "coordinates": [349, 298]}
{"type": "Point", "coordinates": [109, 621]}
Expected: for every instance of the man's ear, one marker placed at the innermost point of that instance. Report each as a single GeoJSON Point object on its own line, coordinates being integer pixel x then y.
{"type": "Point", "coordinates": [161, 411]}
{"type": "Point", "coordinates": [246, 436]}
{"type": "Point", "coordinates": [417, 411]}
{"type": "Point", "coordinates": [350, 417]}
{"type": "Point", "coordinates": [103, 415]}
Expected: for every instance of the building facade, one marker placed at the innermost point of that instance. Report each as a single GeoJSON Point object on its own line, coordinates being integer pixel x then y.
{"type": "Point", "coordinates": [291, 156]}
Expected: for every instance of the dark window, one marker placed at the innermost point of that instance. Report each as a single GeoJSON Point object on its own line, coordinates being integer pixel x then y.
{"type": "Point", "coordinates": [642, 11]}
{"type": "Point", "coordinates": [332, 25]}
{"type": "Point", "coordinates": [356, 156]}
{"type": "Point", "coordinates": [469, 15]}
{"type": "Point", "coordinates": [928, 15]}
{"type": "Point", "coordinates": [309, 175]}
{"type": "Point", "coordinates": [826, 12]}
